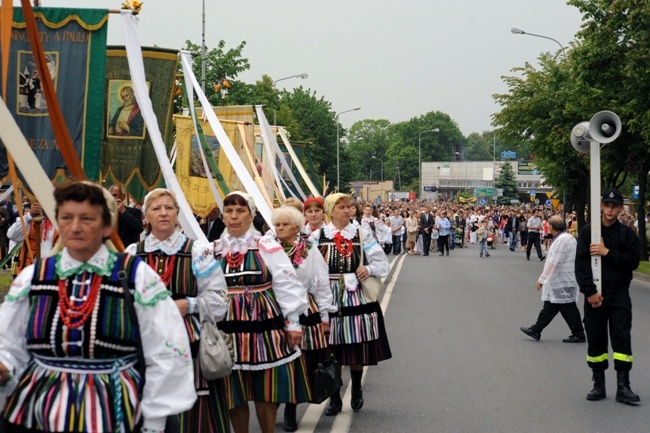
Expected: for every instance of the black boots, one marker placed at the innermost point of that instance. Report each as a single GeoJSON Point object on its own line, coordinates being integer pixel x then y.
{"type": "Point", "coordinates": [598, 393]}
{"type": "Point", "coordinates": [336, 405]}
{"type": "Point", "coordinates": [290, 423]}
{"type": "Point", "coordinates": [356, 401]}
{"type": "Point", "coordinates": [623, 392]}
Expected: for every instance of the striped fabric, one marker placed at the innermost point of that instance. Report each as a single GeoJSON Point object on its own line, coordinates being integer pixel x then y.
{"type": "Point", "coordinates": [266, 369]}
{"type": "Point", "coordinates": [209, 414]}
{"type": "Point", "coordinates": [70, 383]}
{"type": "Point", "coordinates": [357, 332]}
{"type": "Point", "coordinates": [313, 333]}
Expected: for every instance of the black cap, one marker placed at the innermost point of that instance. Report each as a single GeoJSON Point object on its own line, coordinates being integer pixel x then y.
{"type": "Point", "coordinates": [612, 195]}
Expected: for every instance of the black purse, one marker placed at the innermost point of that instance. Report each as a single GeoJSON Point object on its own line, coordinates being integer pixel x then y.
{"type": "Point", "coordinates": [173, 424]}
{"type": "Point", "coordinates": [325, 380]}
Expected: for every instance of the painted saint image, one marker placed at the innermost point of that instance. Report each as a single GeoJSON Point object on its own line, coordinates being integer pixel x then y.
{"type": "Point", "coordinates": [126, 120]}
{"type": "Point", "coordinates": [196, 163]}
{"type": "Point", "coordinates": [31, 98]}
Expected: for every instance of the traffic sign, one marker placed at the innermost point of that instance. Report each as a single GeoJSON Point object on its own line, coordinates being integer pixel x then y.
{"type": "Point", "coordinates": [533, 192]}
{"type": "Point", "coordinates": [548, 203]}
{"type": "Point", "coordinates": [482, 202]}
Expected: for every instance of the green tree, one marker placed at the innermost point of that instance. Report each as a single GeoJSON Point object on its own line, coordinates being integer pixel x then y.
{"type": "Point", "coordinates": [368, 139]}
{"type": "Point", "coordinates": [507, 182]}
{"type": "Point", "coordinates": [478, 148]}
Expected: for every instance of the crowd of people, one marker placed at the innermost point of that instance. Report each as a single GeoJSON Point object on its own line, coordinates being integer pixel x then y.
{"type": "Point", "coordinates": [72, 358]}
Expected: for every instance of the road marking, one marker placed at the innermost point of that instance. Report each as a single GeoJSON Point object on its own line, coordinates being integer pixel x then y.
{"type": "Point", "coordinates": [343, 420]}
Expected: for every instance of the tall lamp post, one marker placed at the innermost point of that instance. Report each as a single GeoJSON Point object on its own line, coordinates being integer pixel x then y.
{"type": "Point", "coordinates": [382, 166]}
{"type": "Point", "coordinates": [303, 76]}
{"type": "Point", "coordinates": [338, 146]}
{"type": "Point", "coordinates": [516, 31]}
{"type": "Point", "coordinates": [420, 158]}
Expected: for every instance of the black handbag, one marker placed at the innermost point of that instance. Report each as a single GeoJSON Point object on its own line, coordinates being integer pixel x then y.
{"type": "Point", "coordinates": [325, 380]}
{"type": "Point", "coordinates": [173, 424]}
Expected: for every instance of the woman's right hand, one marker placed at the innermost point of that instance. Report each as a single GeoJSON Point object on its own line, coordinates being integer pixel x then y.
{"type": "Point", "coordinates": [4, 374]}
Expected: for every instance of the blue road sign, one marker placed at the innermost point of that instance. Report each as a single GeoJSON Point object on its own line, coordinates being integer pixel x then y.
{"type": "Point", "coordinates": [482, 202]}
{"type": "Point", "coordinates": [548, 202]}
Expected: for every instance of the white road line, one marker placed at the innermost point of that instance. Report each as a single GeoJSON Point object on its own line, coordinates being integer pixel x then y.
{"type": "Point", "coordinates": [343, 420]}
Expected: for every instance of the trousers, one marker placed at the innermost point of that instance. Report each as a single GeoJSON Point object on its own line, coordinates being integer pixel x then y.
{"type": "Point", "coordinates": [569, 312]}
{"type": "Point", "coordinates": [533, 239]}
{"type": "Point", "coordinates": [615, 313]}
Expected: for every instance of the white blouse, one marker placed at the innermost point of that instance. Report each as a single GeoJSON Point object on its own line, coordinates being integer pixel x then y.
{"type": "Point", "coordinates": [169, 387]}
{"type": "Point", "coordinates": [290, 294]}
{"type": "Point", "coordinates": [378, 265]}
{"type": "Point", "coordinates": [210, 281]}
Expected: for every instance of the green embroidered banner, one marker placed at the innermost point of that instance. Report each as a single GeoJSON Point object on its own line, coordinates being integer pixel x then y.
{"type": "Point", "coordinates": [74, 41]}
{"type": "Point", "coordinates": [127, 155]}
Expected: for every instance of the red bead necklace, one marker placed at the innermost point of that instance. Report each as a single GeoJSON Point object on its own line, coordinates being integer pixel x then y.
{"type": "Point", "coordinates": [72, 315]}
{"type": "Point", "coordinates": [344, 246]}
{"type": "Point", "coordinates": [234, 260]}
{"type": "Point", "coordinates": [165, 270]}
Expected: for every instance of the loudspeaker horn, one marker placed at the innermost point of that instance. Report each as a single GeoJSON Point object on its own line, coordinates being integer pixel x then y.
{"type": "Point", "coordinates": [580, 137]}
{"type": "Point", "coordinates": [605, 126]}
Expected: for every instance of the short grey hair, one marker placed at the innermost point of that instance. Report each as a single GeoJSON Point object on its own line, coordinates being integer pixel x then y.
{"type": "Point", "coordinates": [557, 222]}
{"type": "Point", "coordinates": [295, 217]}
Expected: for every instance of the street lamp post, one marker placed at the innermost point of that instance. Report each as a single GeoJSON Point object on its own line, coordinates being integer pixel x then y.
{"type": "Point", "coordinates": [516, 31]}
{"type": "Point", "coordinates": [382, 166]}
{"type": "Point", "coordinates": [338, 146]}
{"type": "Point", "coordinates": [420, 158]}
{"type": "Point", "coordinates": [303, 76]}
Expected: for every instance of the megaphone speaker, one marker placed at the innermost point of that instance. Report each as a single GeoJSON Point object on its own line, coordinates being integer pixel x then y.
{"type": "Point", "coordinates": [580, 137]}
{"type": "Point", "coordinates": [605, 127]}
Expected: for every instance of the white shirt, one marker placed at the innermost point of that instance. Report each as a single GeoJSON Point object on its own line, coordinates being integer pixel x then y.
{"type": "Point", "coordinates": [559, 277]}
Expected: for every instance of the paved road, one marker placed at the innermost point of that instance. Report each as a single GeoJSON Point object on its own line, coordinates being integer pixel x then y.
{"type": "Point", "coordinates": [462, 365]}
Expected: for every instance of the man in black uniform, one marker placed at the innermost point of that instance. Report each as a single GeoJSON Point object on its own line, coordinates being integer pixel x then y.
{"type": "Point", "coordinates": [619, 249]}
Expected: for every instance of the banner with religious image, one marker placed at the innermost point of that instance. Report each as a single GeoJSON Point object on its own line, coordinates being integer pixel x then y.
{"type": "Point", "coordinates": [74, 41]}
{"type": "Point", "coordinates": [189, 167]}
{"type": "Point", "coordinates": [127, 155]}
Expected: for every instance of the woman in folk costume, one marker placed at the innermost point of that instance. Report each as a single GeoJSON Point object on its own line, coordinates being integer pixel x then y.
{"type": "Point", "coordinates": [190, 272]}
{"type": "Point", "coordinates": [70, 344]}
{"type": "Point", "coordinates": [265, 300]}
{"type": "Point", "coordinates": [313, 274]}
{"type": "Point", "coordinates": [357, 333]}
{"type": "Point", "coordinates": [314, 210]}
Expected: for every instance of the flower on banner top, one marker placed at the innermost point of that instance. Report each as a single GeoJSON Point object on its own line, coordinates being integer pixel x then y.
{"type": "Point", "coordinates": [134, 5]}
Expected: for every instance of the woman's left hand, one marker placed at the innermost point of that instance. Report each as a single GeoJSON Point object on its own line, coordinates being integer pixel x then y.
{"type": "Point", "coordinates": [183, 305]}
{"type": "Point", "coordinates": [294, 338]}
{"type": "Point", "coordinates": [362, 273]}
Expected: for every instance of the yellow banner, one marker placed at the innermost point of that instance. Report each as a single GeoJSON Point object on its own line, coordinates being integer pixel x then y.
{"type": "Point", "coordinates": [189, 166]}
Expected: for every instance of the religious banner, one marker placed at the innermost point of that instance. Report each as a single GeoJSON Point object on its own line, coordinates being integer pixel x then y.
{"type": "Point", "coordinates": [127, 155]}
{"type": "Point", "coordinates": [74, 41]}
{"type": "Point", "coordinates": [189, 167]}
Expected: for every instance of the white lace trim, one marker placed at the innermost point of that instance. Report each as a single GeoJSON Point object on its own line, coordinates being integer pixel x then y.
{"type": "Point", "coordinates": [231, 244]}
{"type": "Point", "coordinates": [348, 232]}
{"type": "Point", "coordinates": [169, 246]}
{"type": "Point", "coordinates": [248, 367]}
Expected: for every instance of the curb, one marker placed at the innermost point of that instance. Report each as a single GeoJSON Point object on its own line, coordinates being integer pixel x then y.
{"type": "Point", "coordinates": [641, 277]}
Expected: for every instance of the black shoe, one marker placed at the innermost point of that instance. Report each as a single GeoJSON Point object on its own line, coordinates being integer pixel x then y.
{"type": "Point", "coordinates": [575, 339]}
{"type": "Point", "coordinates": [532, 334]}
{"type": "Point", "coordinates": [335, 406]}
{"type": "Point", "coordinates": [290, 423]}
{"type": "Point", "coordinates": [541, 259]}
{"type": "Point", "coordinates": [447, 252]}
{"type": "Point", "coordinates": [424, 255]}
{"type": "Point", "coordinates": [598, 393]}
{"type": "Point", "coordinates": [512, 249]}
{"type": "Point", "coordinates": [528, 258]}
{"type": "Point", "coordinates": [356, 403]}
{"type": "Point", "coordinates": [442, 254]}
{"type": "Point", "coordinates": [623, 392]}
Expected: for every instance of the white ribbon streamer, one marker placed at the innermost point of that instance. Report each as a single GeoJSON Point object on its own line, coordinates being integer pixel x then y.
{"type": "Point", "coordinates": [136, 66]}
{"type": "Point", "coordinates": [298, 163]}
{"type": "Point", "coordinates": [6, 194]}
{"type": "Point", "coordinates": [206, 166]}
{"type": "Point", "coordinates": [267, 134]}
{"type": "Point", "coordinates": [237, 164]}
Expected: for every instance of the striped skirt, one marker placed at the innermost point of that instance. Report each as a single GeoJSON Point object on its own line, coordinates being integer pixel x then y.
{"type": "Point", "coordinates": [357, 331]}
{"type": "Point", "coordinates": [313, 332]}
{"type": "Point", "coordinates": [210, 411]}
{"type": "Point", "coordinates": [67, 395]}
{"type": "Point", "coordinates": [286, 383]}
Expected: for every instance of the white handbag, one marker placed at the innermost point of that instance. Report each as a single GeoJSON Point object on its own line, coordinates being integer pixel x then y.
{"type": "Point", "coordinates": [214, 355]}
{"type": "Point", "coordinates": [371, 286]}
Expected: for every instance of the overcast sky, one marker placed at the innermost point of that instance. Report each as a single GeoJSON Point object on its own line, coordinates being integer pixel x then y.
{"type": "Point", "coordinates": [397, 60]}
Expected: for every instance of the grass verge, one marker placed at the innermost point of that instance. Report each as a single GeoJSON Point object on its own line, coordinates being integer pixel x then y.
{"type": "Point", "coordinates": [5, 283]}
{"type": "Point", "coordinates": [644, 267]}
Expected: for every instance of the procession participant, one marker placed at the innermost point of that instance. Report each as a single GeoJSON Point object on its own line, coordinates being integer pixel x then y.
{"type": "Point", "coordinates": [190, 272]}
{"type": "Point", "coordinates": [129, 222]}
{"type": "Point", "coordinates": [265, 300]}
{"type": "Point", "coordinates": [41, 237]}
{"type": "Point", "coordinates": [312, 273]}
{"type": "Point", "coordinates": [314, 210]}
{"type": "Point", "coordinates": [619, 249]}
{"type": "Point", "coordinates": [357, 333]}
{"type": "Point", "coordinates": [69, 339]}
